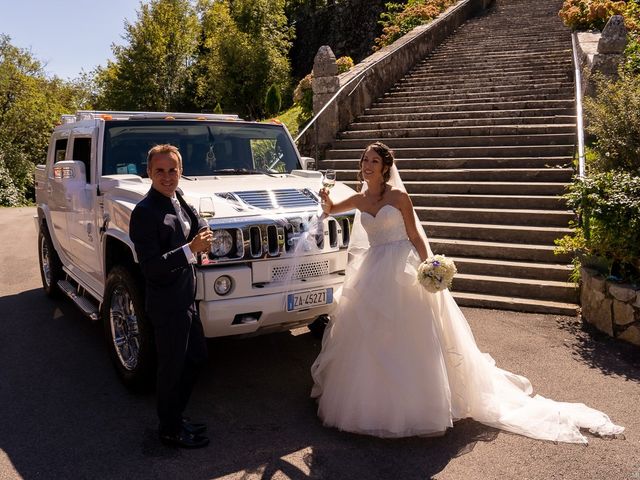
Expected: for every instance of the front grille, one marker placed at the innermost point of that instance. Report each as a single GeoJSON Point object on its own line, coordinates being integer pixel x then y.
{"type": "Point", "coordinates": [303, 270]}
{"type": "Point", "coordinates": [270, 199]}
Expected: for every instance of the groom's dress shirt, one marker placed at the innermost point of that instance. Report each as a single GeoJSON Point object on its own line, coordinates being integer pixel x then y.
{"type": "Point", "coordinates": [186, 228]}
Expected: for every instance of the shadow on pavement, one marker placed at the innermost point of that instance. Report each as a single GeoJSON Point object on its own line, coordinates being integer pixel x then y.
{"type": "Point", "coordinates": [598, 350]}
{"type": "Point", "coordinates": [65, 414]}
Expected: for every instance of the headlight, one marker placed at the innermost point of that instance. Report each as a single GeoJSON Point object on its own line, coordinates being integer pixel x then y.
{"type": "Point", "coordinates": [222, 243]}
{"type": "Point", "coordinates": [223, 285]}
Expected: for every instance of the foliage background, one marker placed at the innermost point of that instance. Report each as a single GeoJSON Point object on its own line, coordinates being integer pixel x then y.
{"type": "Point", "coordinates": [30, 105]}
{"type": "Point", "coordinates": [608, 199]}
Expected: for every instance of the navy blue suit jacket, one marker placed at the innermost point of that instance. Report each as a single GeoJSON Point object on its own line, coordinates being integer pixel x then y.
{"type": "Point", "coordinates": [158, 238]}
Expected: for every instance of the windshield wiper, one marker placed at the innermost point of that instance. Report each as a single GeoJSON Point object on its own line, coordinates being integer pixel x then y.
{"type": "Point", "coordinates": [241, 171]}
{"type": "Point", "coordinates": [188, 178]}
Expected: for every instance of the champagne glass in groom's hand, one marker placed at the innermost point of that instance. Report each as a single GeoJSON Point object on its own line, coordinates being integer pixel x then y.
{"type": "Point", "coordinates": [206, 210]}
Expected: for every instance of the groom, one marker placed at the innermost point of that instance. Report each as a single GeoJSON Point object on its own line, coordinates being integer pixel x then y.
{"type": "Point", "coordinates": [167, 235]}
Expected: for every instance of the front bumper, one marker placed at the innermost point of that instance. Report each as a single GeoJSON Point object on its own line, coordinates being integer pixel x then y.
{"type": "Point", "coordinates": [257, 308]}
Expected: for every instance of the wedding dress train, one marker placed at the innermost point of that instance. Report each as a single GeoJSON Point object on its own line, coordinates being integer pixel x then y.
{"type": "Point", "coordinates": [398, 361]}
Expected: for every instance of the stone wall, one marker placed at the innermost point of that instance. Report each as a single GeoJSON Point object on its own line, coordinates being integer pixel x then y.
{"type": "Point", "coordinates": [611, 307]}
{"type": "Point", "coordinates": [369, 79]}
{"type": "Point", "coordinates": [349, 27]}
{"type": "Point", "coordinates": [601, 52]}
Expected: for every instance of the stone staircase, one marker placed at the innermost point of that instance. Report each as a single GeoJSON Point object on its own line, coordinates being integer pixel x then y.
{"type": "Point", "coordinates": [484, 131]}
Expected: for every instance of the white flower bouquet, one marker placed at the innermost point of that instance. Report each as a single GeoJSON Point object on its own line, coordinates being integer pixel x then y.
{"type": "Point", "coordinates": [436, 273]}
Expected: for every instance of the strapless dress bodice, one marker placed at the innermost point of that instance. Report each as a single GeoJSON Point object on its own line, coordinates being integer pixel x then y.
{"type": "Point", "coordinates": [386, 227]}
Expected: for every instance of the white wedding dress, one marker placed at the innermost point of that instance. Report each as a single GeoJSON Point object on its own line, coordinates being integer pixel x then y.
{"type": "Point", "coordinates": [398, 361]}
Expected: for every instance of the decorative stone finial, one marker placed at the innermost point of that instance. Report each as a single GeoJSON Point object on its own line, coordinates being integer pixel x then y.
{"type": "Point", "coordinates": [324, 63]}
{"type": "Point", "coordinates": [614, 36]}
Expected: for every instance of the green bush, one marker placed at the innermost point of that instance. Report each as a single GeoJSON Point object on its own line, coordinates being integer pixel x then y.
{"type": "Point", "coordinates": [632, 55]}
{"type": "Point", "coordinates": [344, 64]}
{"type": "Point", "coordinates": [614, 118]}
{"type": "Point", "coordinates": [400, 18]}
{"type": "Point", "coordinates": [609, 206]}
{"type": "Point", "coordinates": [9, 194]}
{"type": "Point", "coordinates": [272, 101]}
{"type": "Point", "coordinates": [303, 94]}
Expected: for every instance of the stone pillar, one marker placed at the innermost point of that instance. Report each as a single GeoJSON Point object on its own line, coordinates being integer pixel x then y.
{"type": "Point", "coordinates": [325, 84]}
{"type": "Point", "coordinates": [611, 47]}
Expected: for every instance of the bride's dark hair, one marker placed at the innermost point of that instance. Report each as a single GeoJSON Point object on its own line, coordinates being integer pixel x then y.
{"type": "Point", "coordinates": [386, 154]}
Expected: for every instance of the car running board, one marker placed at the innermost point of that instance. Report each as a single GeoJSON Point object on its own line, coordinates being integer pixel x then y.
{"type": "Point", "coordinates": [86, 305]}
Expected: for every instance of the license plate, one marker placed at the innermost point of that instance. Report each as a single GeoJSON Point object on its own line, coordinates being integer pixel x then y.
{"type": "Point", "coordinates": [312, 298]}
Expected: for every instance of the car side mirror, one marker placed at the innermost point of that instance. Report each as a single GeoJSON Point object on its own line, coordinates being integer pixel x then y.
{"type": "Point", "coordinates": [70, 171]}
{"type": "Point", "coordinates": [308, 163]}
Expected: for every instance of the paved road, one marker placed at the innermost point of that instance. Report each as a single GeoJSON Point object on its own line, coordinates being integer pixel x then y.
{"type": "Point", "coordinates": [63, 413]}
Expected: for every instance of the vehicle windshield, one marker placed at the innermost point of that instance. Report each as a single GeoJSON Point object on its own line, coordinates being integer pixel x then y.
{"type": "Point", "coordinates": [207, 148]}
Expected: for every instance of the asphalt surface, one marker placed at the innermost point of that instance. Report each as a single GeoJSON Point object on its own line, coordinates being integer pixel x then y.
{"type": "Point", "coordinates": [64, 414]}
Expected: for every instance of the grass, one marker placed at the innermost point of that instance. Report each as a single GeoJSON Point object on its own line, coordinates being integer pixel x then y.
{"type": "Point", "coordinates": [293, 119]}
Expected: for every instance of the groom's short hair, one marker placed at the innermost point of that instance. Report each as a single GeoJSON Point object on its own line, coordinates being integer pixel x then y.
{"type": "Point", "coordinates": [164, 148]}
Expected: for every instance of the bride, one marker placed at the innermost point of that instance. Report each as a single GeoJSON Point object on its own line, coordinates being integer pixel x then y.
{"type": "Point", "coordinates": [398, 361]}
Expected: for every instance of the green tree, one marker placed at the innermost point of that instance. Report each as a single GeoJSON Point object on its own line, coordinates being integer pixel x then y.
{"type": "Point", "coordinates": [273, 101]}
{"type": "Point", "coordinates": [153, 70]}
{"type": "Point", "coordinates": [243, 51]}
{"type": "Point", "coordinates": [30, 106]}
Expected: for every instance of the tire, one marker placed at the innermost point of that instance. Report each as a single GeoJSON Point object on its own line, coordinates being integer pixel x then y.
{"type": "Point", "coordinates": [127, 329]}
{"type": "Point", "coordinates": [318, 326]}
{"type": "Point", "coordinates": [50, 265]}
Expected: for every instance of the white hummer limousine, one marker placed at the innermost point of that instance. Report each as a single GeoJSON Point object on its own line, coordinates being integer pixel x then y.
{"type": "Point", "coordinates": [266, 270]}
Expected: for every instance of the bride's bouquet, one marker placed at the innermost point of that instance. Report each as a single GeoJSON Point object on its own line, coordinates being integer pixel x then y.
{"type": "Point", "coordinates": [436, 273]}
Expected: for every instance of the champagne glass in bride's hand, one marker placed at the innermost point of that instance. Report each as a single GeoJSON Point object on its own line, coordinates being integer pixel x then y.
{"type": "Point", "coordinates": [328, 182]}
{"type": "Point", "coordinates": [329, 179]}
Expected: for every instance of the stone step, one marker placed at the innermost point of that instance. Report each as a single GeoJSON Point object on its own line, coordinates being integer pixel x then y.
{"type": "Point", "coordinates": [496, 216]}
{"type": "Point", "coordinates": [525, 234]}
{"type": "Point", "coordinates": [503, 46]}
{"type": "Point", "coordinates": [465, 299]}
{"type": "Point", "coordinates": [490, 139]}
{"type": "Point", "coordinates": [478, 175]}
{"type": "Point", "coordinates": [464, 131]}
{"type": "Point", "coordinates": [486, 188]}
{"type": "Point", "coordinates": [483, 70]}
{"type": "Point", "coordinates": [496, 92]}
{"type": "Point", "coordinates": [474, 115]}
{"type": "Point", "coordinates": [459, 152]}
{"type": "Point", "coordinates": [488, 98]}
{"type": "Point", "coordinates": [427, 88]}
{"type": "Point", "coordinates": [453, 163]}
{"type": "Point", "coordinates": [503, 105]}
{"type": "Point", "coordinates": [453, 68]}
{"type": "Point", "coordinates": [495, 78]}
{"type": "Point", "coordinates": [452, 247]}
{"type": "Point", "coordinates": [448, 58]}
{"type": "Point", "coordinates": [517, 287]}
{"type": "Point", "coordinates": [544, 271]}
{"type": "Point", "coordinates": [523, 202]}
{"type": "Point", "coordinates": [464, 122]}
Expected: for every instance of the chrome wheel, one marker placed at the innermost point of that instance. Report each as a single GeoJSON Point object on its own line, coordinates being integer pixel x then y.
{"type": "Point", "coordinates": [45, 261]}
{"type": "Point", "coordinates": [125, 333]}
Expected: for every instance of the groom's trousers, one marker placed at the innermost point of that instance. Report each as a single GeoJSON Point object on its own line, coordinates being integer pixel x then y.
{"type": "Point", "coordinates": [181, 348]}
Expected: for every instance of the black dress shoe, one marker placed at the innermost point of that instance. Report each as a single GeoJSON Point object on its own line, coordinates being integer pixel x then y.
{"type": "Point", "coordinates": [194, 428]}
{"type": "Point", "coordinates": [184, 439]}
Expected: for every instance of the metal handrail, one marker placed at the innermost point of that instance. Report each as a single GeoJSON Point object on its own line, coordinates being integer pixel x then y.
{"type": "Point", "coordinates": [579, 123]}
